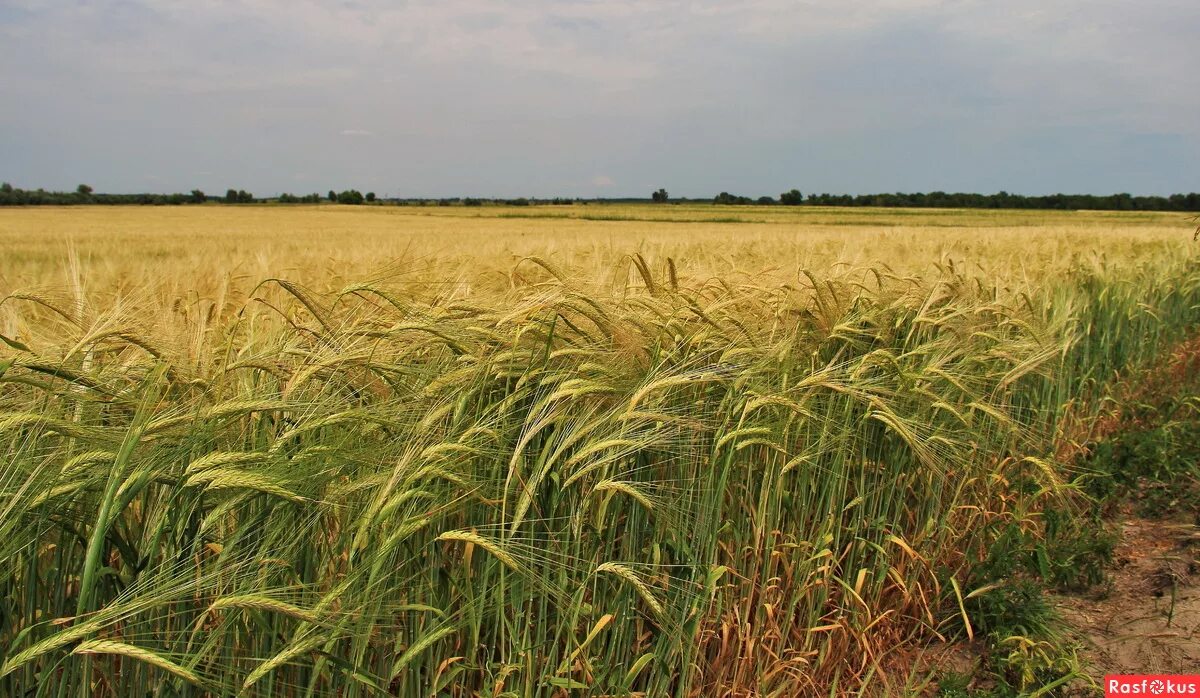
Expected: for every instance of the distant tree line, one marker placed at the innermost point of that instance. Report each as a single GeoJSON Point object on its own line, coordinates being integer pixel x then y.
{"type": "Point", "coordinates": [286, 198]}
{"type": "Point", "coordinates": [84, 194]}
{"type": "Point", "coordinates": [727, 199]}
{"type": "Point", "coordinates": [941, 199]}
{"type": "Point", "coordinates": [474, 201]}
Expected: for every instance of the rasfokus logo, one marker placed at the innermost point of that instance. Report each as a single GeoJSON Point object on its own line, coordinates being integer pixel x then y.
{"type": "Point", "coordinates": [1152, 685]}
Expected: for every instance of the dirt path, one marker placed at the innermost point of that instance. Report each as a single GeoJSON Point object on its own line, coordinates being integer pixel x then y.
{"type": "Point", "coordinates": [1147, 618]}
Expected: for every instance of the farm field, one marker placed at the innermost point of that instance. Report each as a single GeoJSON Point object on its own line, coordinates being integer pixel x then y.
{"type": "Point", "coordinates": [678, 450]}
{"type": "Point", "coordinates": [217, 250]}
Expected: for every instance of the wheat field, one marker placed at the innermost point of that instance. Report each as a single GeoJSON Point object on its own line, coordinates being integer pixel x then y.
{"type": "Point", "coordinates": [544, 451]}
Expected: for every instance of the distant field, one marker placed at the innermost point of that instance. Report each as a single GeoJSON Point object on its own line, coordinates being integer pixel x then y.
{"type": "Point", "coordinates": [226, 250]}
{"type": "Point", "coordinates": [558, 451]}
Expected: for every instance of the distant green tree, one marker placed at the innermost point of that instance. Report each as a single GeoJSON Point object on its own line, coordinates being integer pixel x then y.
{"type": "Point", "coordinates": [244, 197]}
{"type": "Point", "coordinates": [766, 201]}
{"type": "Point", "coordinates": [83, 190]}
{"type": "Point", "coordinates": [6, 188]}
{"type": "Point", "coordinates": [371, 196]}
{"type": "Point", "coordinates": [791, 198]}
{"type": "Point", "coordinates": [351, 196]}
{"type": "Point", "coordinates": [659, 197]}
{"type": "Point", "coordinates": [231, 196]}
{"type": "Point", "coordinates": [198, 197]}
{"type": "Point", "coordinates": [332, 195]}
{"type": "Point", "coordinates": [727, 199]}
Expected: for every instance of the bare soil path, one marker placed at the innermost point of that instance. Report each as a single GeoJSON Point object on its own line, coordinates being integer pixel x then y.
{"type": "Point", "coordinates": [1146, 619]}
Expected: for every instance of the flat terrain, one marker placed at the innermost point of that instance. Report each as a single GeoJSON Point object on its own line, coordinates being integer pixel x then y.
{"type": "Point", "coordinates": [214, 250]}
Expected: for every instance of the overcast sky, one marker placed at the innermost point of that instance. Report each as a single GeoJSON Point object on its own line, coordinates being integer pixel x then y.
{"type": "Point", "coordinates": [601, 97]}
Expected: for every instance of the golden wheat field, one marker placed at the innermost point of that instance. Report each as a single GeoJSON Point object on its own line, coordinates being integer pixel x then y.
{"type": "Point", "coordinates": [598, 450]}
{"type": "Point", "coordinates": [223, 252]}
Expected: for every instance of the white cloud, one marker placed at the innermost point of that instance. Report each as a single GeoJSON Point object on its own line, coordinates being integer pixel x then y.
{"type": "Point", "coordinates": [603, 181]}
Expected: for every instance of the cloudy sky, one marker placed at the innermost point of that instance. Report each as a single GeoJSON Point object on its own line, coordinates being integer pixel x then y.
{"type": "Point", "coordinates": [601, 97]}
